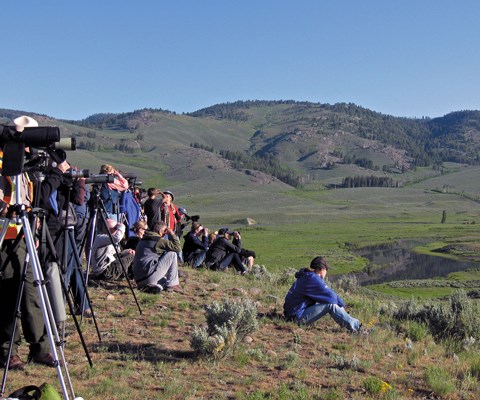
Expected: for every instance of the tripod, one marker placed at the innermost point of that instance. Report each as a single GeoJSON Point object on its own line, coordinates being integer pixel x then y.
{"type": "Point", "coordinates": [33, 261]}
{"type": "Point", "coordinates": [97, 205]}
{"type": "Point", "coordinates": [73, 268]}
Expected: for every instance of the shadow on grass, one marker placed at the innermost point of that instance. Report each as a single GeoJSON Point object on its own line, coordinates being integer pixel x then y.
{"type": "Point", "coordinates": [143, 352]}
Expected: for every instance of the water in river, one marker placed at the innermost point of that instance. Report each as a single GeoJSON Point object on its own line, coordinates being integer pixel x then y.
{"type": "Point", "coordinates": [397, 261]}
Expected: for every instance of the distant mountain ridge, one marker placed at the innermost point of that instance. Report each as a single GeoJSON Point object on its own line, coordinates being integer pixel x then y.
{"type": "Point", "coordinates": [309, 138]}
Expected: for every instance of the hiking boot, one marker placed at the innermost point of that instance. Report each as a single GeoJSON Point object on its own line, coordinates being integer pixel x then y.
{"type": "Point", "coordinates": [15, 363]}
{"type": "Point", "coordinates": [44, 359]}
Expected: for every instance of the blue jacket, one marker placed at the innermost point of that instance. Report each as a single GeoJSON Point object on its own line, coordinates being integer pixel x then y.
{"type": "Point", "coordinates": [308, 289]}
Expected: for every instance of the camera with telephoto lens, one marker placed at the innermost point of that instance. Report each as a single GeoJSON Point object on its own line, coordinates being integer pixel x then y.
{"type": "Point", "coordinates": [89, 178]}
{"type": "Point", "coordinates": [14, 140]}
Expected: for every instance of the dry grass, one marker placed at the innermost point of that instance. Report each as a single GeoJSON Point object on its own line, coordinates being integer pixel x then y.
{"type": "Point", "coordinates": [148, 356]}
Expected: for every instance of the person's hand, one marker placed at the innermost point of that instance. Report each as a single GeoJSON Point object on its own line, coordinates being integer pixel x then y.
{"type": "Point", "coordinates": [63, 167]}
{"type": "Point", "coordinates": [205, 231]}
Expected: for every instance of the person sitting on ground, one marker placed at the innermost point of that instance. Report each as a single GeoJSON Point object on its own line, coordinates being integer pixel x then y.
{"type": "Point", "coordinates": [196, 245]}
{"type": "Point", "coordinates": [139, 228]}
{"type": "Point", "coordinates": [310, 298]}
{"type": "Point", "coordinates": [247, 256]}
{"type": "Point", "coordinates": [155, 265]}
{"type": "Point", "coordinates": [105, 264]}
{"type": "Point", "coordinates": [223, 253]}
{"type": "Point", "coordinates": [212, 237]}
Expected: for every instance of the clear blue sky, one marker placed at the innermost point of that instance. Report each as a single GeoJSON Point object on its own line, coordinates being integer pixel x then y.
{"type": "Point", "coordinates": [70, 59]}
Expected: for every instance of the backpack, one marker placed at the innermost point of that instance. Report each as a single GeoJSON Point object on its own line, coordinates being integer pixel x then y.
{"type": "Point", "coordinates": [32, 392]}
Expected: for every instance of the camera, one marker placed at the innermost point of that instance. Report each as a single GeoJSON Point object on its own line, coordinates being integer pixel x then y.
{"type": "Point", "coordinates": [89, 178]}
{"type": "Point", "coordinates": [14, 142]}
{"type": "Point", "coordinates": [31, 137]}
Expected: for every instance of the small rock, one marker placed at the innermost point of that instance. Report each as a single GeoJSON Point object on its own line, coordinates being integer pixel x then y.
{"type": "Point", "coordinates": [255, 291]}
{"type": "Point", "coordinates": [271, 353]}
{"type": "Point", "coordinates": [110, 297]}
{"type": "Point", "coordinates": [247, 339]}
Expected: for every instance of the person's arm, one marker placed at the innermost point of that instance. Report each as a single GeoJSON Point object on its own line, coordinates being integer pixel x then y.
{"type": "Point", "coordinates": [231, 247]}
{"type": "Point", "coordinates": [119, 233]}
{"type": "Point", "coordinates": [53, 180]}
{"type": "Point", "coordinates": [171, 244]}
{"type": "Point", "coordinates": [317, 290]}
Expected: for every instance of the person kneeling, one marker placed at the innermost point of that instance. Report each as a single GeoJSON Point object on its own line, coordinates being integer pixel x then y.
{"type": "Point", "coordinates": [155, 266]}
{"type": "Point", "coordinates": [310, 298]}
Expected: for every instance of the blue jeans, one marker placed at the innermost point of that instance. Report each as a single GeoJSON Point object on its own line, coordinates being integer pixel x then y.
{"type": "Point", "coordinates": [197, 258]}
{"type": "Point", "coordinates": [341, 317]}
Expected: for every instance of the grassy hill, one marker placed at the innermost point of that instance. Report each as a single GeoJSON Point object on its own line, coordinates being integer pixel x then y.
{"type": "Point", "coordinates": [148, 355]}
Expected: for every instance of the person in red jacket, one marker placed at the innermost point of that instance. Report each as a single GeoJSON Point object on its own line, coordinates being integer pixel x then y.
{"type": "Point", "coordinates": [169, 211]}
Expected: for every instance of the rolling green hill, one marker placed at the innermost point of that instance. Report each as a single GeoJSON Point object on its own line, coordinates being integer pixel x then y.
{"type": "Point", "coordinates": [320, 144]}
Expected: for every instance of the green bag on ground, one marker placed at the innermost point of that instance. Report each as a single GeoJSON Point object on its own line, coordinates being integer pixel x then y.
{"type": "Point", "coordinates": [32, 392]}
{"type": "Point", "coordinates": [49, 392]}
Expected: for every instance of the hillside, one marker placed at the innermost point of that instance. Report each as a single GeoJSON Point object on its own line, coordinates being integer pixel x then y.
{"type": "Point", "coordinates": [149, 356]}
{"type": "Point", "coordinates": [315, 141]}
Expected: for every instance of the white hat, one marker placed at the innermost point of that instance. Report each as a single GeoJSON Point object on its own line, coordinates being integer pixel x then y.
{"type": "Point", "coordinates": [24, 122]}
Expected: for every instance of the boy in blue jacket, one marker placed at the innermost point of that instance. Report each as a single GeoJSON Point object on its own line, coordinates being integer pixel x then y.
{"type": "Point", "coordinates": [309, 298]}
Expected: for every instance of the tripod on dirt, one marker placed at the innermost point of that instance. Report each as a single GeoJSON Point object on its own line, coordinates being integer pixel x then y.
{"type": "Point", "coordinates": [73, 272]}
{"type": "Point", "coordinates": [18, 214]}
{"type": "Point", "coordinates": [99, 214]}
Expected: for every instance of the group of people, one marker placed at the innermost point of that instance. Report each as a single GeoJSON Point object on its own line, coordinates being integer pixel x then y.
{"type": "Point", "coordinates": [151, 256]}
{"type": "Point", "coordinates": [141, 238]}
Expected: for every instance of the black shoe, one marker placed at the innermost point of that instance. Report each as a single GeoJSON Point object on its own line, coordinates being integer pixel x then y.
{"type": "Point", "coordinates": [45, 359]}
{"type": "Point", "coordinates": [152, 288]}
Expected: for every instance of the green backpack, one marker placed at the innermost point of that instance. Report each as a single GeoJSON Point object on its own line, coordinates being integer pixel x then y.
{"type": "Point", "coordinates": [32, 392]}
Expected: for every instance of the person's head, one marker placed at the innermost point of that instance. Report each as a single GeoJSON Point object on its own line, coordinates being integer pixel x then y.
{"type": "Point", "coordinates": [225, 232]}
{"type": "Point", "coordinates": [197, 228]}
{"type": "Point", "coordinates": [319, 266]}
{"type": "Point", "coordinates": [106, 169]}
{"type": "Point", "coordinates": [212, 237]}
{"type": "Point", "coordinates": [160, 227]}
{"type": "Point", "coordinates": [168, 196]}
{"type": "Point", "coordinates": [151, 192]}
{"type": "Point", "coordinates": [139, 228]}
{"type": "Point", "coordinates": [112, 225]}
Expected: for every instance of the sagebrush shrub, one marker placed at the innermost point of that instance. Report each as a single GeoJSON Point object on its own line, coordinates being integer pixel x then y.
{"type": "Point", "coordinates": [458, 319]}
{"type": "Point", "coordinates": [260, 272]}
{"type": "Point", "coordinates": [228, 323]}
{"type": "Point", "coordinates": [347, 283]}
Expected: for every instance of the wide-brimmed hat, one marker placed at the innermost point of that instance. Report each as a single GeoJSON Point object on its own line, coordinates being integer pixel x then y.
{"type": "Point", "coordinates": [319, 263]}
{"type": "Point", "coordinates": [24, 122]}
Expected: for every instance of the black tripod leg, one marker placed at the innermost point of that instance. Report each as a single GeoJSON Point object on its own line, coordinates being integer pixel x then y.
{"type": "Point", "coordinates": [79, 274]}
{"type": "Point", "coordinates": [103, 218]}
{"type": "Point", "coordinates": [69, 301]}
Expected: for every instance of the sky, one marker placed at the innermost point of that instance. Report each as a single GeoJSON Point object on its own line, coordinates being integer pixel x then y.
{"type": "Point", "coordinates": [72, 59]}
